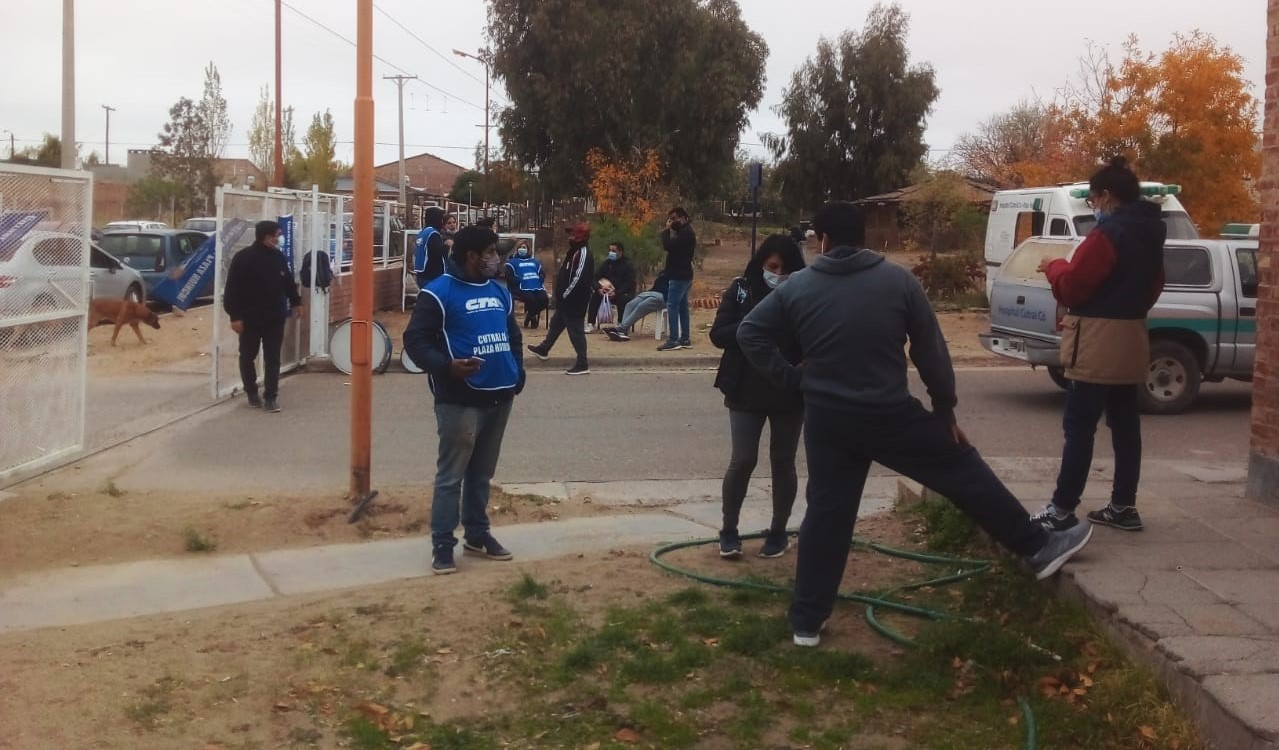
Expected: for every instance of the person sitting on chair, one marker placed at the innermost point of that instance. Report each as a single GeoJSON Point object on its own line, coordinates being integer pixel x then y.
{"type": "Point", "coordinates": [615, 280]}
{"type": "Point", "coordinates": [526, 279]}
{"type": "Point", "coordinates": [654, 300]}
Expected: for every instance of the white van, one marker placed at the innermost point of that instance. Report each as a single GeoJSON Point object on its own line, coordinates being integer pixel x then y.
{"type": "Point", "coordinates": [1062, 211]}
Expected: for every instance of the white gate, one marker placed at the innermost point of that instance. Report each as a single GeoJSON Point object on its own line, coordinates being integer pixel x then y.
{"type": "Point", "coordinates": [45, 216]}
{"type": "Point", "coordinates": [317, 226]}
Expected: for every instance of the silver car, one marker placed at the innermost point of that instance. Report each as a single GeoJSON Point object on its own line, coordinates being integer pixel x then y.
{"type": "Point", "coordinates": [43, 272]}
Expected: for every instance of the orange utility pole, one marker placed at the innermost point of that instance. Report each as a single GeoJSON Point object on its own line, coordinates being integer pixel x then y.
{"type": "Point", "coordinates": [362, 267]}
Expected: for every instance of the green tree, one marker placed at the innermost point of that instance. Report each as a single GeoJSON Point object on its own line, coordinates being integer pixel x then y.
{"type": "Point", "coordinates": [319, 159]}
{"type": "Point", "coordinates": [153, 196]}
{"type": "Point", "coordinates": [854, 115]}
{"type": "Point", "coordinates": [676, 76]}
{"type": "Point", "coordinates": [47, 154]}
{"type": "Point", "coordinates": [213, 111]}
{"type": "Point", "coordinates": [183, 157]}
{"type": "Point", "coordinates": [468, 185]}
{"type": "Point", "coordinates": [262, 134]}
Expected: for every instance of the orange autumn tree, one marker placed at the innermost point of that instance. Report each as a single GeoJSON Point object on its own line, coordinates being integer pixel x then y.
{"type": "Point", "coordinates": [1186, 116]}
{"type": "Point", "coordinates": [626, 188]}
{"type": "Point", "coordinates": [1029, 145]}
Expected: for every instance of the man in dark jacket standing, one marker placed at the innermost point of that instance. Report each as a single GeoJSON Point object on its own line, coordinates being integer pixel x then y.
{"type": "Point", "coordinates": [851, 314]}
{"type": "Point", "coordinates": [463, 333]}
{"type": "Point", "coordinates": [259, 296]}
{"type": "Point", "coordinates": [572, 294]}
{"type": "Point", "coordinates": [615, 280]}
{"type": "Point", "coordinates": [1109, 286]}
{"type": "Point", "coordinates": [680, 243]}
{"type": "Point", "coordinates": [430, 248]}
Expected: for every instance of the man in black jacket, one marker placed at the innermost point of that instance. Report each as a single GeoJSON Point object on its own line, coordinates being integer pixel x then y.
{"type": "Point", "coordinates": [260, 294]}
{"type": "Point", "coordinates": [615, 280]}
{"type": "Point", "coordinates": [680, 243]}
{"type": "Point", "coordinates": [572, 294]}
{"type": "Point", "coordinates": [851, 312]}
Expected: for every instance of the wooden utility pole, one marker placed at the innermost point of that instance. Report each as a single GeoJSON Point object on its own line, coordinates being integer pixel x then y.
{"type": "Point", "coordinates": [399, 82]}
{"type": "Point", "coordinates": [277, 176]}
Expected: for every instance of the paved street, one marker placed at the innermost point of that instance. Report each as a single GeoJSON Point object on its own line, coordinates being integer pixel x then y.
{"type": "Point", "coordinates": [608, 426]}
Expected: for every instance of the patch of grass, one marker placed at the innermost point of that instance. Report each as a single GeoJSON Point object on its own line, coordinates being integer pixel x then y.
{"type": "Point", "coordinates": [194, 541]}
{"type": "Point", "coordinates": [947, 529]}
{"type": "Point", "coordinates": [154, 703]}
{"type": "Point", "coordinates": [407, 657]}
{"type": "Point", "coordinates": [112, 490]}
{"type": "Point", "coordinates": [356, 652]}
{"type": "Point", "coordinates": [659, 727]}
{"type": "Point", "coordinates": [528, 588]}
{"type": "Point", "coordinates": [689, 597]}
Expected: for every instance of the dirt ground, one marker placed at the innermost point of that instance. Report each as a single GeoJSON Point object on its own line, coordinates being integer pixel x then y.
{"type": "Point", "coordinates": [184, 340]}
{"type": "Point", "coordinates": [292, 673]}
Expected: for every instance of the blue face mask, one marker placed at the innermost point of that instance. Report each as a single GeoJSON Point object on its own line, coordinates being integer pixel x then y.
{"type": "Point", "coordinates": [612, 255]}
{"type": "Point", "coordinates": [522, 252]}
{"type": "Point", "coordinates": [1100, 215]}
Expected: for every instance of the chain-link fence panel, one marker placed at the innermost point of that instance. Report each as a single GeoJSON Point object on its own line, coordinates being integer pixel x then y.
{"type": "Point", "coordinates": [45, 216]}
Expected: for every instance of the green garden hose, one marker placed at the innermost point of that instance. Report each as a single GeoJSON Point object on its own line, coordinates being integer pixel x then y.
{"type": "Point", "coordinates": [967, 569]}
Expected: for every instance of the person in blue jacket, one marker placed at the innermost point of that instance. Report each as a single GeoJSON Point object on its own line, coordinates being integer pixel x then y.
{"type": "Point", "coordinates": [527, 280]}
{"type": "Point", "coordinates": [463, 333]}
{"type": "Point", "coordinates": [430, 249]}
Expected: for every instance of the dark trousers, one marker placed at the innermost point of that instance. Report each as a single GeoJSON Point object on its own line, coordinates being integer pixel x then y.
{"type": "Point", "coordinates": [746, 428]}
{"type": "Point", "coordinates": [270, 337]}
{"type": "Point", "coordinates": [534, 303]}
{"type": "Point", "coordinates": [575, 324]}
{"type": "Point", "coordinates": [1085, 403]}
{"type": "Point", "coordinates": [910, 441]}
{"type": "Point", "coordinates": [619, 302]}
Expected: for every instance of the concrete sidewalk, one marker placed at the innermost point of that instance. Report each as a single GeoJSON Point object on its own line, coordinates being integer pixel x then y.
{"type": "Point", "coordinates": [1195, 596]}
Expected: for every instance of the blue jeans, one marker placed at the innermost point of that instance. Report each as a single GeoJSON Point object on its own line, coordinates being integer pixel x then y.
{"type": "Point", "coordinates": [1085, 403]}
{"type": "Point", "coordinates": [470, 442]}
{"type": "Point", "coordinates": [677, 310]}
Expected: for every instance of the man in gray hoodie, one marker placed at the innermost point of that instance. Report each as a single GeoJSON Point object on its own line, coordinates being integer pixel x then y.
{"type": "Point", "coordinates": [852, 315]}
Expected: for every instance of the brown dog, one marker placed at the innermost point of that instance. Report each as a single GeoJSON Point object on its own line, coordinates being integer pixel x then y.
{"type": "Point", "coordinates": [122, 312]}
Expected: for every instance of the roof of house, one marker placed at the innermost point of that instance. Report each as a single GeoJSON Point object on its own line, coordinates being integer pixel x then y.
{"type": "Point", "coordinates": [978, 192]}
{"type": "Point", "coordinates": [346, 184]}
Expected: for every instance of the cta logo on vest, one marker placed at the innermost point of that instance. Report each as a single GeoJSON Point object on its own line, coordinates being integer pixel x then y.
{"type": "Point", "coordinates": [480, 304]}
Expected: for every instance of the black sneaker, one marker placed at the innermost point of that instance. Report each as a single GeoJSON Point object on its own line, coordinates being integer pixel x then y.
{"type": "Point", "coordinates": [578, 370]}
{"type": "Point", "coordinates": [487, 546]}
{"type": "Point", "coordinates": [272, 405]}
{"type": "Point", "coordinates": [1053, 518]}
{"type": "Point", "coordinates": [442, 560]}
{"type": "Point", "coordinates": [730, 544]}
{"type": "Point", "coordinates": [1125, 518]}
{"type": "Point", "coordinates": [618, 334]}
{"type": "Point", "coordinates": [1060, 547]}
{"type": "Point", "coordinates": [686, 344]}
{"type": "Point", "coordinates": [539, 353]}
{"type": "Point", "coordinates": [775, 544]}
{"type": "Point", "coordinates": [669, 346]}
{"type": "Point", "coordinates": [255, 401]}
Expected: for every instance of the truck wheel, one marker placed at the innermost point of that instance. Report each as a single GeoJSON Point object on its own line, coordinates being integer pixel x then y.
{"type": "Point", "coordinates": [1173, 380]}
{"type": "Point", "coordinates": [1058, 374]}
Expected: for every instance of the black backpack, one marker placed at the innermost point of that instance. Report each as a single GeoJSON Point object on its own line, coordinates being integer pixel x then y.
{"type": "Point", "coordinates": [323, 272]}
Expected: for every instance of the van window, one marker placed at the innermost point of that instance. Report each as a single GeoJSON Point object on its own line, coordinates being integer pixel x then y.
{"type": "Point", "coordinates": [1058, 228]}
{"type": "Point", "coordinates": [99, 259]}
{"type": "Point", "coordinates": [1178, 223]}
{"type": "Point", "coordinates": [139, 251]}
{"type": "Point", "coordinates": [1029, 224]}
{"type": "Point", "coordinates": [1187, 266]}
{"type": "Point", "coordinates": [1247, 272]}
{"type": "Point", "coordinates": [59, 251]}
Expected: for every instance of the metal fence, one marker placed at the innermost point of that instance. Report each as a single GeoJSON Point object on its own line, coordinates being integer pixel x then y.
{"type": "Point", "coordinates": [45, 217]}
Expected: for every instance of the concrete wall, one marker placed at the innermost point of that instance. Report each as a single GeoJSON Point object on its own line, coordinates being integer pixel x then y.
{"type": "Point", "coordinates": [1263, 464]}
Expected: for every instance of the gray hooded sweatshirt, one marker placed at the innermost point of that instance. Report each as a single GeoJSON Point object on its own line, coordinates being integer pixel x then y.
{"type": "Point", "coordinates": [852, 315]}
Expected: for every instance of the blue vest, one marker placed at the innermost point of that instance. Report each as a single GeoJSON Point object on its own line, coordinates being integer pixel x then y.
{"type": "Point", "coordinates": [475, 325]}
{"type": "Point", "coordinates": [419, 248]}
{"type": "Point", "coordinates": [528, 271]}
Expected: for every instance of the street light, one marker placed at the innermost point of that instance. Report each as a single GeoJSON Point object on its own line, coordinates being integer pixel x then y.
{"type": "Point", "coordinates": [484, 57]}
{"type": "Point", "coordinates": [470, 207]}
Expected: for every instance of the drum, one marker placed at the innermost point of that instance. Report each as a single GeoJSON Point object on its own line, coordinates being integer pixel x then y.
{"type": "Point", "coordinates": [340, 347]}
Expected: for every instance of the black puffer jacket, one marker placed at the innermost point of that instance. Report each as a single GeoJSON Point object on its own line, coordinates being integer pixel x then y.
{"type": "Point", "coordinates": [744, 387]}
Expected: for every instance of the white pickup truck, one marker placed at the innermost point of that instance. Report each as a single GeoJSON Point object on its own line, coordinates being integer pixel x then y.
{"type": "Point", "coordinates": [1202, 328]}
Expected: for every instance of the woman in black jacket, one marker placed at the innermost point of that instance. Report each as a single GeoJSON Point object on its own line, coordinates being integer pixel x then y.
{"type": "Point", "coordinates": [752, 399]}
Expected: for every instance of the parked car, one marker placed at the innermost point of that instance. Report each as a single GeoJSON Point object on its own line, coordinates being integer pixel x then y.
{"type": "Point", "coordinates": [1202, 328]}
{"type": "Point", "coordinates": [379, 225]}
{"type": "Point", "coordinates": [133, 226]}
{"type": "Point", "coordinates": [157, 253]}
{"type": "Point", "coordinates": [43, 271]}
{"type": "Point", "coordinates": [206, 224]}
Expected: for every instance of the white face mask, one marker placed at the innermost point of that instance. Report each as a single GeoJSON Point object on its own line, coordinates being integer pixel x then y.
{"type": "Point", "coordinates": [491, 267]}
{"type": "Point", "coordinates": [774, 280]}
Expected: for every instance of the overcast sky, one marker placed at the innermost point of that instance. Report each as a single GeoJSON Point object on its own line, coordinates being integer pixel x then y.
{"type": "Point", "coordinates": [140, 56]}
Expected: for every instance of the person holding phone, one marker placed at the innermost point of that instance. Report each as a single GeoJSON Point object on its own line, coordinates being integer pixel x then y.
{"type": "Point", "coordinates": [463, 333]}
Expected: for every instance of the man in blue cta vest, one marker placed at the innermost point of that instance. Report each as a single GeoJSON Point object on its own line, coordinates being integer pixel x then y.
{"type": "Point", "coordinates": [528, 283]}
{"type": "Point", "coordinates": [430, 249]}
{"type": "Point", "coordinates": [463, 333]}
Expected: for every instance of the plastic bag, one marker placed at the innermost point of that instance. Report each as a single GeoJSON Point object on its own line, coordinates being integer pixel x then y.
{"type": "Point", "coordinates": [605, 314]}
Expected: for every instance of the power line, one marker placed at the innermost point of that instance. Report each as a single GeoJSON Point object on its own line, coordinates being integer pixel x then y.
{"type": "Point", "coordinates": [382, 60]}
{"type": "Point", "coordinates": [423, 42]}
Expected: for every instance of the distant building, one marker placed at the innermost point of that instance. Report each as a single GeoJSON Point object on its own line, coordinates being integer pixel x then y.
{"type": "Point", "coordinates": [884, 220]}
{"type": "Point", "coordinates": [427, 173]}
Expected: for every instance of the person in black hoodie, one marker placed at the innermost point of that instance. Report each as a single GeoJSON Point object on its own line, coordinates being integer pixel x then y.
{"type": "Point", "coordinates": [615, 280]}
{"type": "Point", "coordinates": [752, 399]}
{"type": "Point", "coordinates": [572, 293]}
{"type": "Point", "coordinates": [260, 294]}
{"type": "Point", "coordinates": [852, 315]}
{"type": "Point", "coordinates": [680, 244]}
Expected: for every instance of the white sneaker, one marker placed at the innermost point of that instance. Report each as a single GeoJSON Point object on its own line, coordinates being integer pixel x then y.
{"type": "Point", "coordinates": [590, 328]}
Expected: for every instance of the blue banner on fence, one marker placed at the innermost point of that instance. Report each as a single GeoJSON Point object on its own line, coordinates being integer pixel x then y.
{"type": "Point", "coordinates": [286, 241]}
{"type": "Point", "coordinates": [193, 279]}
{"type": "Point", "coordinates": [14, 227]}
